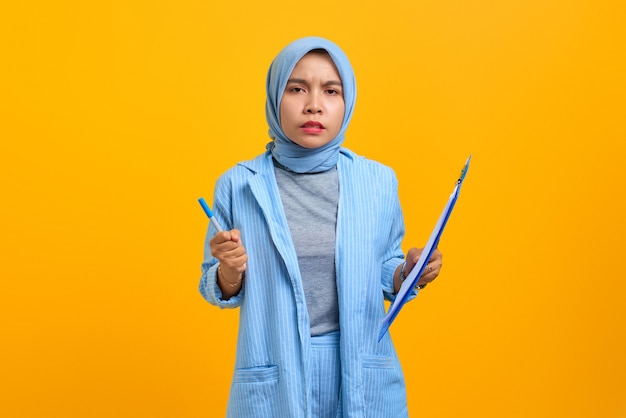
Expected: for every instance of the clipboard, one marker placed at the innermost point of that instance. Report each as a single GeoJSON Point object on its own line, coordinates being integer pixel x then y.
{"type": "Point", "coordinates": [411, 280]}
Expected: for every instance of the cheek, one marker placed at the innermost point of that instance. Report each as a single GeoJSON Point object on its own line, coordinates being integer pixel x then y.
{"type": "Point", "coordinates": [281, 112]}
{"type": "Point", "coordinates": [286, 110]}
{"type": "Point", "coordinates": [284, 119]}
{"type": "Point", "coordinates": [340, 111]}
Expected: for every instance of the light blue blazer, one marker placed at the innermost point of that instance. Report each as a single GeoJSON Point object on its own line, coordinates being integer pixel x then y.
{"type": "Point", "coordinates": [272, 369]}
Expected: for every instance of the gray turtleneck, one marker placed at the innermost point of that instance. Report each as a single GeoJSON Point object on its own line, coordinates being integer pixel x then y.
{"type": "Point", "coordinates": [310, 204]}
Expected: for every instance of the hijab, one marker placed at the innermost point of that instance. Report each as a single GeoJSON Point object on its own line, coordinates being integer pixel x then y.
{"type": "Point", "coordinates": [289, 154]}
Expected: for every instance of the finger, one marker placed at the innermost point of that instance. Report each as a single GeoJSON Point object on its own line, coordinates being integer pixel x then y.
{"type": "Point", "coordinates": [435, 256]}
{"type": "Point", "coordinates": [229, 251]}
{"type": "Point", "coordinates": [430, 273]}
{"type": "Point", "coordinates": [236, 263]}
{"type": "Point", "coordinates": [224, 250]}
{"type": "Point", "coordinates": [235, 235]}
{"type": "Point", "coordinates": [428, 268]}
{"type": "Point", "coordinates": [413, 255]}
{"type": "Point", "coordinates": [221, 237]}
{"type": "Point", "coordinates": [423, 281]}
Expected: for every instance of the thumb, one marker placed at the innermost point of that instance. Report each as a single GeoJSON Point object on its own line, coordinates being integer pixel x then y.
{"type": "Point", "coordinates": [413, 255]}
{"type": "Point", "coordinates": [235, 235]}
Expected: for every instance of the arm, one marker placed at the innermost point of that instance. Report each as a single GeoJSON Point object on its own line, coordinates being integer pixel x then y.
{"type": "Point", "coordinates": [220, 284]}
{"type": "Point", "coordinates": [402, 269]}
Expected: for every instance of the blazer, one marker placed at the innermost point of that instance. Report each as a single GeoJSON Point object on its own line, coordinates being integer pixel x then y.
{"type": "Point", "coordinates": [272, 368]}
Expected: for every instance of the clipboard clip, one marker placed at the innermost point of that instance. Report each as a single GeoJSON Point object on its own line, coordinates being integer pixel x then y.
{"type": "Point", "coordinates": [464, 171]}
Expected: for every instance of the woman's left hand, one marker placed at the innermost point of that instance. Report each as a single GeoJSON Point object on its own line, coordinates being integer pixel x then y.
{"type": "Point", "coordinates": [431, 270]}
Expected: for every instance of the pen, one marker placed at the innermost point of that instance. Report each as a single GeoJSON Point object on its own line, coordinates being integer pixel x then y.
{"type": "Point", "coordinates": [209, 213]}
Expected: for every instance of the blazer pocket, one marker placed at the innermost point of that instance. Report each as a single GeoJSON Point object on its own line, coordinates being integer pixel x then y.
{"type": "Point", "coordinates": [254, 392]}
{"type": "Point", "coordinates": [256, 374]}
{"type": "Point", "coordinates": [378, 362]}
{"type": "Point", "coordinates": [383, 385]}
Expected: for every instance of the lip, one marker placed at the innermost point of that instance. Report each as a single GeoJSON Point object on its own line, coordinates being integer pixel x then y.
{"type": "Point", "coordinates": [312, 127]}
{"type": "Point", "coordinates": [313, 124]}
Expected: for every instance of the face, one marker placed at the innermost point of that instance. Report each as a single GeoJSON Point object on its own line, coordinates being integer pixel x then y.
{"type": "Point", "coordinates": [312, 106]}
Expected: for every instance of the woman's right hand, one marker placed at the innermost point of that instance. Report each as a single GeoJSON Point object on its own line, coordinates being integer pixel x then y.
{"type": "Point", "coordinates": [226, 246]}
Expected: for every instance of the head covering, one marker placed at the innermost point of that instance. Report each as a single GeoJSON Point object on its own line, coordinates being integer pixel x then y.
{"type": "Point", "coordinates": [285, 151]}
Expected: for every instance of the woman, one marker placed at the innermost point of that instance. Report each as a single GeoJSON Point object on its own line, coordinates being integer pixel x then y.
{"type": "Point", "coordinates": [322, 229]}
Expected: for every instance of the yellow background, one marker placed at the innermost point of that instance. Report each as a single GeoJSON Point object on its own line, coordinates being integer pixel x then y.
{"type": "Point", "coordinates": [115, 116]}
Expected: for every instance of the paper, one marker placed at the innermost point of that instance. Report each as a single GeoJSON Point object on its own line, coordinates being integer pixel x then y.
{"type": "Point", "coordinates": [411, 280]}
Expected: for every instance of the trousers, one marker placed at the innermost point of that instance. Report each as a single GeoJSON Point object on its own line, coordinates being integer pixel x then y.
{"type": "Point", "coordinates": [326, 396]}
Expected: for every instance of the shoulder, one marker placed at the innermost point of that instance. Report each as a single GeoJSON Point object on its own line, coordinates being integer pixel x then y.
{"type": "Point", "coordinates": [363, 166]}
{"type": "Point", "coordinates": [243, 170]}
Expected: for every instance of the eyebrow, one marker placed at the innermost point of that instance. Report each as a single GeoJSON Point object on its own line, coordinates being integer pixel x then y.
{"type": "Point", "coordinates": [303, 81]}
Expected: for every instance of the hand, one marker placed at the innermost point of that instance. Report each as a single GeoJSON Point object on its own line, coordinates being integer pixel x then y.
{"type": "Point", "coordinates": [227, 248]}
{"type": "Point", "coordinates": [431, 270]}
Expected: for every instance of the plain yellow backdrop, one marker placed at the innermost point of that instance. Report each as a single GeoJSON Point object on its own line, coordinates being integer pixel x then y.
{"type": "Point", "coordinates": [115, 116]}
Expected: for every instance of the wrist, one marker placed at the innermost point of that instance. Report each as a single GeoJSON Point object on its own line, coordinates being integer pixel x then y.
{"type": "Point", "coordinates": [398, 277]}
{"type": "Point", "coordinates": [230, 283]}
{"type": "Point", "coordinates": [402, 272]}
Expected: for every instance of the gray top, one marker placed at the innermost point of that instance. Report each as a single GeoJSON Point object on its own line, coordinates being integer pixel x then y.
{"type": "Point", "coordinates": [310, 204]}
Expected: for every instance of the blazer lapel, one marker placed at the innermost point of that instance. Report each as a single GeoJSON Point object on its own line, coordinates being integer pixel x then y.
{"type": "Point", "coordinates": [265, 190]}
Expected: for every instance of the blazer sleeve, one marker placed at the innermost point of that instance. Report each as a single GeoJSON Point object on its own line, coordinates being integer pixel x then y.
{"type": "Point", "coordinates": [209, 288]}
{"type": "Point", "coordinates": [394, 255]}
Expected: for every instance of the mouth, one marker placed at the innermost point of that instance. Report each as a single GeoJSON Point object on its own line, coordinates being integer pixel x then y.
{"type": "Point", "coordinates": [313, 127]}
{"type": "Point", "coordinates": [313, 124]}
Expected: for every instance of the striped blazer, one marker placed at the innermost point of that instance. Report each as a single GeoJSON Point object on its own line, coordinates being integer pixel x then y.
{"type": "Point", "coordinates": [272, 369]}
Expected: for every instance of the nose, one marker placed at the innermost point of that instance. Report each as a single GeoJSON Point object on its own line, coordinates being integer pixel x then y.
{"type": "Point", "coordinates": [313, 106]}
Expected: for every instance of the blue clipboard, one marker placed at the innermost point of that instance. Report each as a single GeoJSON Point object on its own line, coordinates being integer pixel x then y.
{"type": "Point", "coordinates": [411, 280]}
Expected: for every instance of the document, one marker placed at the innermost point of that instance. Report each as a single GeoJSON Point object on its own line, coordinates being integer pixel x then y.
{"type": "Point", "coordinates": [411, 280]}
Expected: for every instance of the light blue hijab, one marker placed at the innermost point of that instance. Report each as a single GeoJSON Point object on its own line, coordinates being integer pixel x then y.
{"type": "Point", "coordinates": [286, 152]}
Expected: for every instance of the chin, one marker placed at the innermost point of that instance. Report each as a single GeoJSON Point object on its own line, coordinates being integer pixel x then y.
{"type": "Point", "coordinates": [309, 143]}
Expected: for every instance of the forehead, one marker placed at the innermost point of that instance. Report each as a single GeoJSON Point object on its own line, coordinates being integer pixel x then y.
{"type": "Point", "coordinates": [316, 64]}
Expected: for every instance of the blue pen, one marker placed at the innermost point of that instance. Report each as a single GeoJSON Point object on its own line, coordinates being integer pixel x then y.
{"type": "Point", "coordinates": [209, 213]}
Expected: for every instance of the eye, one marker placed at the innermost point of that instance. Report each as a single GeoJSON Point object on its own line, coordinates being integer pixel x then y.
{"type": "Point", "coordinates": [296, 90]}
